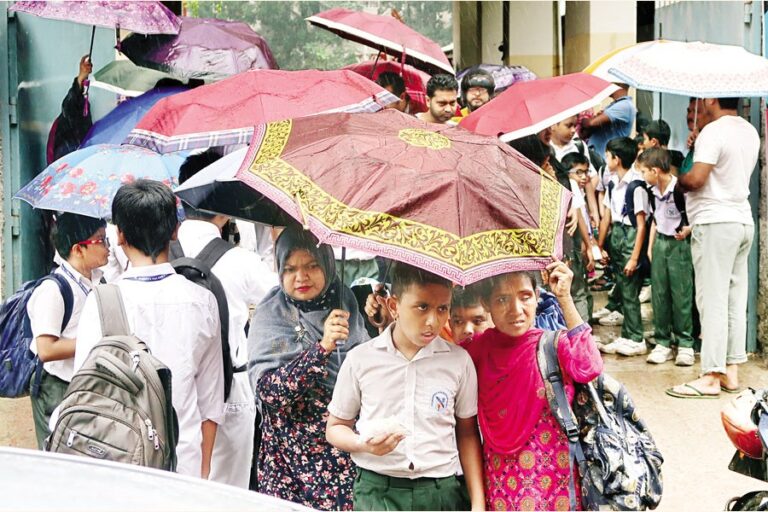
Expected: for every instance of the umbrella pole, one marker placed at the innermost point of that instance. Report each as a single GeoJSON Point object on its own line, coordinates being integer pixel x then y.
{"type": "Point", "coordinates": [90, 50]}
{"type": "Point", "coordinates": [373, 69]}
{"type": "Point", "coordinates": [341, 295]}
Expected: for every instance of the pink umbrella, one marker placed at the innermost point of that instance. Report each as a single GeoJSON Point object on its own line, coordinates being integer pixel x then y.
{"type": "Point", "coordinates": [225, 112]}
{"type": "Point", "coordinates": [415, 80]}
{"type": "Point", "coordinates": [386, 34]}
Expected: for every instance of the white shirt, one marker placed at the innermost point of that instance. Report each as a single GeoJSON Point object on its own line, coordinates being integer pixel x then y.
{"type": "Point", "coordinates": [665, 214]}
{"type": "Point", "coordinates": [577, 196]}
{"type": "Point", "coordinates": [245, 277]}
{"type": "Point", "coordinates": [179, 322]}
{"type": "Point", "coordinates": [427, 393]}
{"type": "Point", "coordinates": [573, 147]}
{"type": "Point", "coordinates": [257, 238]}
{"type": "Point", "coordinates": [615, 200]}
{"type": "Point", "coordinates": [46, 313]}
{"type": "Point", "coordinates": [117, 261]}
{"type": "Point", "coordinates": [732, 145]}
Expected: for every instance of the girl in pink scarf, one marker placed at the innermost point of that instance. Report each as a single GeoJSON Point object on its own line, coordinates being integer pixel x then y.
{"type": "Point", "coordinates": [525, 452]}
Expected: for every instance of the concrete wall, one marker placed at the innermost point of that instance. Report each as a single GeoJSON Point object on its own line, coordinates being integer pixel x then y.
{"type": "Point", "coordinates": [532, 36]}
{"type": "Point", "coordinates": [593, 29]}
{"type": "Point", "coordinates": [492, 32]}
{"type": "Point", "coordinates": [466, 47]}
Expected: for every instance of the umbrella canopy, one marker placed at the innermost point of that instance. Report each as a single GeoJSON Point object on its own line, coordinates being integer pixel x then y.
{"type": "Point", "coordinates": [480, 208]}
{"type": "Point", "coordinates": [415, 80]}
{"type": "Point", "coordinates": [209, 49]}
{"type": "Point", "coordinates": [503, 76]}
{"type": "Point", "coordinates": [225, 112]}
{"type": "Point", "coordinates": [697, 69]}
{"type": "Point", "coordinates": [115, 126]}
{"type": "Point", "coordinates": [142, 17]}
{"type": "Point", "coordinates": [85, 181]}
{"type": "Point", "coordinates": [385, 34]}
{"type": "Point", "coordinates": [529, 107]}
{"type": "Point", "coordinates": [125, 78]}
{"type": "Point", "coordinates": [600, 66]}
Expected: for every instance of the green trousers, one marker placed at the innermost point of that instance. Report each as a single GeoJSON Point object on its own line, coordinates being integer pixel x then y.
{"type": "Point", "coordinates": [373, 491]}
{"type": "Point", "coordinates": [51, 394]}
{"type": "Point", "coordinates": [672, 298]}
{"type": "Point", "coordinates": [627, 289]}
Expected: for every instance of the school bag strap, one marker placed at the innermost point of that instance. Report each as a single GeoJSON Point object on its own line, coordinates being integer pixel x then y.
{"type": "Point", "coordinates": [679, 198]}
{"type": "Point", "coordinates": [549, 366]}
{"type": "Point", "coordinates": [111, 311]}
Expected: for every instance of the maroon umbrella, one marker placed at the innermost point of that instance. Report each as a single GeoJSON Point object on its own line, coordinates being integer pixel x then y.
{"type": "Point", "coordinates": [208, 49]}
{"type": "Point", "coordinates": [386, 34]}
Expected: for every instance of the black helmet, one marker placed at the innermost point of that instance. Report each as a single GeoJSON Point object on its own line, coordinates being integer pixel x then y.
{"type": "Point", "coordinates": [477, 78]}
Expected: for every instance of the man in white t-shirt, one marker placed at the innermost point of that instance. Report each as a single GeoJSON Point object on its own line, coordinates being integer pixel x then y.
{"type": "Point", "coordinates": [721, 218]}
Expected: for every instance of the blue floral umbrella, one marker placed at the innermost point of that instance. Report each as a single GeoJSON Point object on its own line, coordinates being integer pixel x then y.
{"type": "Point", "coordinates": [85, 181]}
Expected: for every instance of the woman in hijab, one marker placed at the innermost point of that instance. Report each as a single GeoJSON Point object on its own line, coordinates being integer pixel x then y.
{"type": "Point", "coordinates": [292, 368]}
{"type": "Point", "coordinates": [525, 452]}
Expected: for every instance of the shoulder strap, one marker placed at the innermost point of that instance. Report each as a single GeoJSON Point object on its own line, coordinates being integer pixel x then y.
{"type": "Point", "coordinates": [679, 197]}
{"type": "Point", "coordinates": [111, 310]}
{"type": "Point", "coordinates": [213, 251]}
{"type": "Point", "coordinates": [66, 294]}
{"type": "Point", "coordinates": [176, 251]}
{"type": "Point", "coordinates": [582, 148]}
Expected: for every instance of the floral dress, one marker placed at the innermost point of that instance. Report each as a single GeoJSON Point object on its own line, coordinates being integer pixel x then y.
{"type": "Point", "coordinates": [296, 463]}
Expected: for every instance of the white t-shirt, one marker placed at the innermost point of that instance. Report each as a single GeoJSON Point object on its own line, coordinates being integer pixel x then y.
{"type": "Point", "coordinates": [732, 145]}
{"type": "Point", "coordinates": [179, 322]}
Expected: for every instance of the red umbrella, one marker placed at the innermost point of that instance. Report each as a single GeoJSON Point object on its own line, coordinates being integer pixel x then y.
{"type": "Point", "coordinates": [441, 198]}
{"type": "Point", "coordinates": [225, 112]}
{"type": "Point", "coordinates": [415, 80]}
{"type": "Point", "coordinates": [385, 34]}
{"type": "Point", "coordinates": [529, 107]}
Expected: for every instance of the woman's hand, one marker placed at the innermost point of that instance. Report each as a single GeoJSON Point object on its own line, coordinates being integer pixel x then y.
{"type": "Point", "coordinates": [559, 279]}
{"type": "Point", "coordinates": [335, 330]}
{"type": "Point", "coordinates": [383, 444]}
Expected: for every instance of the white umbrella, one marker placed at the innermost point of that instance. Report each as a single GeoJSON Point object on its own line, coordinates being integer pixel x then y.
{"type": "Point", "coordinates": [697, 69]}
{"type": "Point", "coordinates": [600, 66]}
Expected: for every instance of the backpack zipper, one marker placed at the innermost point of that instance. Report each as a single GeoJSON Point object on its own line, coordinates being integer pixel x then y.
{"type": "Point", "coordinates": [97, 412]}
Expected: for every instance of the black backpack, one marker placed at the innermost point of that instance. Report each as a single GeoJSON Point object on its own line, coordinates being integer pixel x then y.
{"type": "Point", "coordinates": [198, 270]}
{"type": "Point", "coordinates": [628, 210]}
{"type": "Point", "coordinates": [595, 159]}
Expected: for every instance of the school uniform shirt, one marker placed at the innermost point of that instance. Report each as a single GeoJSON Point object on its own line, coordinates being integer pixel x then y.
{"type": "Point", "coordinates": [179, 322]}
{"type": "Point", "coordinates": [615, 200]}
{"type": "Point", "coordinates": [573, 147]}
{"type": "Point", "coordinates": [117, 261]}
{"type": "Point", "coordinates": [246, 279]}
{"type": "Point", "coordinates": [46, 312]}
{"type": "Point", "coordinates": [731, 145]}
{"type": "Point", "coordinates": [257, 238]}
{"type": "Point", "coordinates": [427, 394]}
{"type": "Point", "coordinates": [666, 215]}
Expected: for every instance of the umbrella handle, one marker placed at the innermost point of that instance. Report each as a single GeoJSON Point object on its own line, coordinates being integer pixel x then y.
{"type": "Point", "coordinates": [90, 50]}
{"type": "Point", "coordinates": [341, 295]}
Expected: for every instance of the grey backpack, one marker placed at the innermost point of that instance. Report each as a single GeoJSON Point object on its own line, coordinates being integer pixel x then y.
{"type": "Point", "coordinates": [118, 405]}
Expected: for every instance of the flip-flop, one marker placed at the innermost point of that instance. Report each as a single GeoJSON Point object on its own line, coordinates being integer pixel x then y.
{"type": "Point", "coordinates": [732, 391]}
{"type": "Point", "coordinates": [697, 394]}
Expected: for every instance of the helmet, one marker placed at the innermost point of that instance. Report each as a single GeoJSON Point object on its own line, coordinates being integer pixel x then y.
{"type": "Point", "coordinates": [477, 78]}
{"type": "Point", "coordinates": [739, 425]}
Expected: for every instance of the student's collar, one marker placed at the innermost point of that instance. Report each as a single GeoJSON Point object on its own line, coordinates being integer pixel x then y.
{"type": "Point", "coordinates": [670, 188]}
{"type": "Point", "coordinates": [200, 227]}
{"type": "Point", "coordinates": [384, 342]}
{"type": "Point", "coordinates": [80, 278]}
{"type": "Point", "coordinates": [148, 271]}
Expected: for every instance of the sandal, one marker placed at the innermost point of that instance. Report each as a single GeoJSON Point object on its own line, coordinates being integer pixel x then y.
{"type": "Point", "coordinates": [732, 391]}
{"type": "Point", "coordinates": [695, 394]}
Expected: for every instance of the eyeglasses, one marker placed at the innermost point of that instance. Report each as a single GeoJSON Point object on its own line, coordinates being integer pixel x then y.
{"type": "Point", "coordinates": [103, 240]}
{"type": "Point", "coordinates": [579, 172]}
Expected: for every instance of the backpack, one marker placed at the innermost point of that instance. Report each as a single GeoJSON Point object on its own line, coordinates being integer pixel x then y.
{"type": "Point", "coordinates": [618, 461]}
{"type": "Point", "coordinates": [628, 210]}
{"type": "Point", "coordinates": [595, 159]}
{"type": "Point", "coordinates": [118, 405]}
{"type": "Point", "coordinates": [19, 363]}
{"type": "Point", "coordinates": [198, 270]}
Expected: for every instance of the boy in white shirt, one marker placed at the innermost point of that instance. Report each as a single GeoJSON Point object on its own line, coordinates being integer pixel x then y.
{"type": "Point", "coordinates": [426, 388]}
{"type": "Point", "coordinates": [177, 319]}
{"type": "Point", "coordinates": [83, 247]}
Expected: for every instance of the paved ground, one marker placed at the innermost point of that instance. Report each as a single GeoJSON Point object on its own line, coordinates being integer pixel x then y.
{"type": "Point", "coordinates": [688, 432]}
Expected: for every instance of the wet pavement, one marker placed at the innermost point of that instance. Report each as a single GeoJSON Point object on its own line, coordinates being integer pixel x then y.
{"type": "Point", "coordinates": [689, 432]}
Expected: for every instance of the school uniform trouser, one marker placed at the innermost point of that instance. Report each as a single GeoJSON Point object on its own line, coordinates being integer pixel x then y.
{"type": "Point", "coordinates": [50, 395]}
{"type": "Point", "coordinates": [627, 288]}
{"type": "Point", "coordinates": [233, 448]}
{"type": "Point", "coordinates": [720, 253]}
{"type": "Point", "coordinates": [373, 491]}
{"type": "Point", "coordinates": [672, 286]}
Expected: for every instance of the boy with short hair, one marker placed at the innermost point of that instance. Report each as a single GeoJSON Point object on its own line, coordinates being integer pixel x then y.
{"type": "Point", "coordinates": [672, 269]}
{"type": "Point", "coordinates": [176, 318]}
{"type": "Point", "coordinates": [468, 316]}
{"type": "Point", "coordinates": [418, 395]}
{"type": "Point", "coordinates": [627, 228]}
{"type": "Point", "coordinates": [83, 247]}
{"type": "Point", "coordinates": [657, 134]}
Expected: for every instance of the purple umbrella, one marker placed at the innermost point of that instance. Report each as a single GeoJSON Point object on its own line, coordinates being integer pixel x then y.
{"type": "Point", "coordinates": [209, 49]}
{"type": "Point", "coordinates": [503, 76]}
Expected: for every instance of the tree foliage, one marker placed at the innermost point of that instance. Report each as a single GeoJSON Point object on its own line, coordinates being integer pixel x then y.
{"type": "Point", "coordinates": [298, 45]}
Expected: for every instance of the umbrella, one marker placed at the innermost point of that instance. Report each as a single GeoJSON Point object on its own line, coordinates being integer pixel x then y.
{"type": "Point", "coordinates": [115, 126]}
{"type": "Point", "coordinates": [503, 76]}
{"type": "Point", "coordinates": [125, 78]}
{"type": "Point", "coordinates": [385, 34]}
{"type": "Point", "coordinates": [529, 107]}
{"type": "Point", "coordinates": [415, 80]}
{"type": "Point", "coordinates": [204, 48]}
{"type": "Point", "coordinates": [479, 209]}
{"type": "Point", "coordinates": [697, 69]}
{"type": "Point", "coordinates": [224, 113]}
{"type": "Point", "coordinates": [85, 181]}
{"type": "Point", "coordinates": [142, 17]}
{"type": "Point", "coordinates": [600, 66]}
